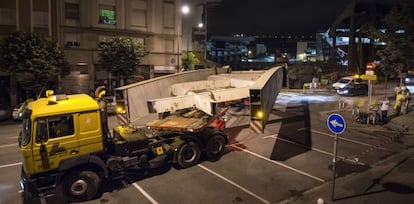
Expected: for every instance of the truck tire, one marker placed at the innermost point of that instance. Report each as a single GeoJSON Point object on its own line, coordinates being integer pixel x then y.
{"type": "Point", "coordinates": [188, 155]}
{"type": "Point", "coordinates": [28, 198]}
{"type": "Point", "coordinates": [81, 186]}
{"type": "Point", "coordinates": [215, 146]}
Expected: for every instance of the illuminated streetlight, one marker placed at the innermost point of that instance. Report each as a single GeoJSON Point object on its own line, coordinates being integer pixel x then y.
{"type": "Point", "coordinates": [185, 9]}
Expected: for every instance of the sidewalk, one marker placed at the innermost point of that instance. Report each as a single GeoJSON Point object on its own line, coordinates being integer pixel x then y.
{"type": "Point", "coordinates": [388, 181]}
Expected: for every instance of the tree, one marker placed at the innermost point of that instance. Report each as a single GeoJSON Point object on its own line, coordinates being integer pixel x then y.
{"type": "Point", "coordinates": [34, 60]}
{"type": "Point", "coordinates": [120, 56]}
{"type": "Point", "coordinates": [189, 60]}
{"type": "Point", "coordinates": [398, 38]}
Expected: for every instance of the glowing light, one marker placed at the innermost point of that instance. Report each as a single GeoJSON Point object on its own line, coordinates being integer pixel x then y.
{"type": "Point", "coordinates": [259, 114]}
{"type": "Point", "coordinates": [120, 110]}
{"type": "Point", "coordinates": [185, 9]}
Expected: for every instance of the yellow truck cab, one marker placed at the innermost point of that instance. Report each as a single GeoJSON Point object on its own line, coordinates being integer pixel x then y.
{"type": "Point", "coordinates": [58, 132]}
{"type": "Point", "coordinates": [62, 131]}
{"type": "Point", "coordinates": [65, 142]}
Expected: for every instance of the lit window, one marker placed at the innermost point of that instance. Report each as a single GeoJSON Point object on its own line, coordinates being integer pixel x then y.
{"type": "Point", "coordinates": [107, 15]}
{"type": "Point", "coordinates": [71, 11]}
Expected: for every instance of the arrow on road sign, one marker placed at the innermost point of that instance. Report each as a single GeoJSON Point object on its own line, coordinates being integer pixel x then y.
{"type": "Point", "coordinates": [336, 124]}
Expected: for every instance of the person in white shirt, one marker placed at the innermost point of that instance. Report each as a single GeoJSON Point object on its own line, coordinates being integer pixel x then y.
{"type": "Point", "coordinates": [385, 104]}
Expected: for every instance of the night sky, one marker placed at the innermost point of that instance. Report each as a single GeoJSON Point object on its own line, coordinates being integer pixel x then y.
{"type": "Point", "coordinates": [274, 17]}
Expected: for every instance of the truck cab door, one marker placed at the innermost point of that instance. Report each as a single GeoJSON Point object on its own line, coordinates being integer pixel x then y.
{"type": "Point", "coordinates": [56, 140]}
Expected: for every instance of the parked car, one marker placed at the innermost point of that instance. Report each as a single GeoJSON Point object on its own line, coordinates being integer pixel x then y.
{"type": "Point", "coordinates": [5, 112]}
{"type": "Point", "coordinates": [409, 82]}
{"type": "Point", "coordinates": [341, 83]}
{"type": "Point", "coordinates": [353, 89]}
{"type": "Point", "coordinates": [18, 111]}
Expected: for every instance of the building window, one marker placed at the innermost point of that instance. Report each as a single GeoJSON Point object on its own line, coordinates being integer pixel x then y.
{"type": "Point", "coordinates": [107, 15]}
{"type": "Point", "coordinates": [72, 39]}
{"type": "Point", "coordinates": [138, 13]}
{"type": "Point", "coordinates": [139, 18]}
{"type": "Point", "coordinates": [168, 15]}
{"type": "Point", "coordinates": [71, 11]}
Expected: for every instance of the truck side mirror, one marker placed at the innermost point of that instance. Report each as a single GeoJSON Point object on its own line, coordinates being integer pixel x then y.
{"type": "Point", "coordinates": [41, 133]}
{"type": "Point", "coordinates": [19, 139]}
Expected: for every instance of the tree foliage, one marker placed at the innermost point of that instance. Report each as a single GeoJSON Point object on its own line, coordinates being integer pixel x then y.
{"type": "Point", "coordinates": [189, 59]}
{"type": "Point", "coordinates": [120, 56]}
{"type": "Point", "coordinates": [32, 59]}
{"type": "Point", "coordinates": [399, 39]}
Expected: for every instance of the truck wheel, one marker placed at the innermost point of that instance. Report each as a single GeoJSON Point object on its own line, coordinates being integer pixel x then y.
{"type": "Point", "coordinates": [215, 146]}
{"type": "Point", "coordinates": [28, 198]}
{"type": "Point", "coordinates": [188, 155]}
{"type": "Point", "coordinates": [81, 186]}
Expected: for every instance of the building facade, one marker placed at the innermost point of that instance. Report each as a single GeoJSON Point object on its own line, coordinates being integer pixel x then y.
{"type": "Point", "coordinates": [79, 26]}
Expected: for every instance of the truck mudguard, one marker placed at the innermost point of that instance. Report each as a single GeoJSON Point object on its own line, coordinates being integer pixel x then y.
{"type": "Point", "coordinates": [81, 160]}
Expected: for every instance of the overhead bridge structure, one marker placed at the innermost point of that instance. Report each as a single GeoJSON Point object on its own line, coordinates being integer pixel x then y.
{"type": "Point", "coordinates": [204, 89]}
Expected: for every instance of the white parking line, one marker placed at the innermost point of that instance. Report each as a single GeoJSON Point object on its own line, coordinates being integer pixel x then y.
{"type": "Point", "coordinates": [349, 140]}
{"type": "Point", "coordinates": [8, 145]}
{"type": "Point", "coordinates": [312, 148]}
{"type": "Point", "coordinates": [295, 143]}
{"type": "Point", "coordinates": [234, 184]}
{"type": "Point", "coordinates": [9, 165]}
{"type": "Point", "coordinates": [278, 163]}
{"type": "Point", "coordinates": [150, 198]}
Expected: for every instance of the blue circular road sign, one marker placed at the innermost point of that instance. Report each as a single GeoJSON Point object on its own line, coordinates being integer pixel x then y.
{"type": "Point", "coordinates": [336, 123]}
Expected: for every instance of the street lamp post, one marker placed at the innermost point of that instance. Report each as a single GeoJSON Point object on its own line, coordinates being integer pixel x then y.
{"type": "Point", "coordinates": [190, 34]}
{"type": "Point", "coordinates": [185, 10]}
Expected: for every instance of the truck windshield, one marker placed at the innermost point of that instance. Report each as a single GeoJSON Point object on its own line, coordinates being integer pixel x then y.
{"type": "Point", "coordinates": [26, 130]}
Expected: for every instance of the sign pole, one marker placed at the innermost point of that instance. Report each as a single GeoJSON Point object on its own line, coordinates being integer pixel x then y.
{"type": "Point", "coordinates": [336, 124]}
{"type": "Point", "coordinates": [334, 166]}
{"type": "Point", "coordinates": [369, 93]}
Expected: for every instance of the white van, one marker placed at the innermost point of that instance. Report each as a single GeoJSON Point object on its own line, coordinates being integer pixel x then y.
{"type": "Point", "coordinates": [344, 81]}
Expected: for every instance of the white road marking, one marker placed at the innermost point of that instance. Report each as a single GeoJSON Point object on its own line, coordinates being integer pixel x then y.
{"type": "Point", "coordinates": [9, 165]}
{"type": "Point", "coordinates": [9, 145]}
{"type": "Point", "coordinates": [234, 184]}
{"type": "Point", "coordinates": [150, 198]}
{"type": "Point", "coordinates": [278, 163]}
{"type": "Point", "coordinates": [312, 148]}
{"type": "Point", "coordinates": [349, 140]}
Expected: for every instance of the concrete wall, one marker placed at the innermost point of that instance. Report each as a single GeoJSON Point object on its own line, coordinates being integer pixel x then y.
{"type": "Point", "coordinates": [267, 83]}
{"type": "Point", "coordinates": [265, 92]}
{"type": "Point", "coordinates": [138, 94]}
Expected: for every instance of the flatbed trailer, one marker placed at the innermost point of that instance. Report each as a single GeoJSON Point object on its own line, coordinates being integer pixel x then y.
{"type": "Point", "coordinates": [188, 121]}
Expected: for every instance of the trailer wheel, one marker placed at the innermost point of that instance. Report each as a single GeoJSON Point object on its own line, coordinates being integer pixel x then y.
{"type": "Point", "coordinates": [215, 146]}
{"type": "Point", "coordinates": [188, 155]}
{"type": "Point", "coordinates": [81, 186]}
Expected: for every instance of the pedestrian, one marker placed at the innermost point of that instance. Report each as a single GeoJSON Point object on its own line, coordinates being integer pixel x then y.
{"type": "Point", "coordinates": [398, 102]}
{"type": "Point", "coordinates": [404, 87]}
{"type": "Point", "coordinates": [385, 103]}
{"type": "Point", "coordinates": [397, 89]}
{"type": "Point", "coordinates": [405, 101]}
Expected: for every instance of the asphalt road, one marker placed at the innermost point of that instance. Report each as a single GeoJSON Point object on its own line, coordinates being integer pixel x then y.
{"type": "Point", "coordinates": [292, 156]}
